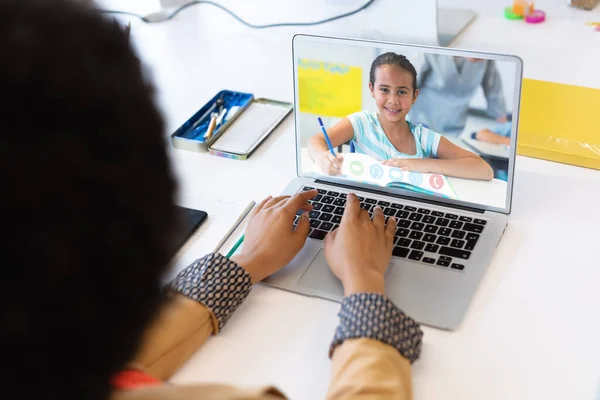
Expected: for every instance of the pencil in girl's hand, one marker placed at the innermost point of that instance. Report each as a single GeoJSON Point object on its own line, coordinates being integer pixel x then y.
{"type": "Point", "coordinates": [326, 136]}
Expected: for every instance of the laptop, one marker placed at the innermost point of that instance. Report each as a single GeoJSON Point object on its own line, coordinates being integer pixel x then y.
{"type": "Point", "coordinates": [448, 227]}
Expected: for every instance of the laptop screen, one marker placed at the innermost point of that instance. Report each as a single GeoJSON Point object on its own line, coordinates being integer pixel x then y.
{"type": "Point", "coordinates": [412, 120]}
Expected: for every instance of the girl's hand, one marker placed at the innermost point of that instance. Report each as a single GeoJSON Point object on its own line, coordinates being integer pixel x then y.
{"type": "Point", "coordinates": [329, 164]}
{"type": "Point", "coordinates": [409, 164]}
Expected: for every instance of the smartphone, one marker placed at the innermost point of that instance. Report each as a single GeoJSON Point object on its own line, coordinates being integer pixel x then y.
{"type": "Point", "coordinates": [191, 221]}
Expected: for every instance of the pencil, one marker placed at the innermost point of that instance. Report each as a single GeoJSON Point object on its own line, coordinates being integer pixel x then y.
{"type": "Point", "coordinates": [235, 246]}
{"type": "Point", "coordinates": [201, 119]}
{"type": "Point", "coordinates": [235, 225]}
{"type": "Point", "coordinates": [326, 136]}
{"type": "Point", "coordinates": [211, 126]}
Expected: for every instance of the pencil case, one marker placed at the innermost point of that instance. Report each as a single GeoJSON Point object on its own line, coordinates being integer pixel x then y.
{"type": "Point", "coordinates": [211, 121]}
{"type": "Point", "coordinates": [238, 131]}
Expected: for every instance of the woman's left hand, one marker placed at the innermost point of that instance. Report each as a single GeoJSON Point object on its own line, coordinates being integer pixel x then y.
{"type": "Point", "coordinates": [408, 164]}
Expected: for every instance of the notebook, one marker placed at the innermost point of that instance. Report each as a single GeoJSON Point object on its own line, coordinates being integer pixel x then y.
{"type": "Point", "coordinates": [366, 169]}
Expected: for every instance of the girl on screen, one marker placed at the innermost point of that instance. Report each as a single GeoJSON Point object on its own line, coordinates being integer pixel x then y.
{"type": "Point", "coordinates": [387, 136]}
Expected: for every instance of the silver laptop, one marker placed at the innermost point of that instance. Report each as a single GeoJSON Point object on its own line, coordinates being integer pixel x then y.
{"type": "Point", "coordinates": [448, 227]}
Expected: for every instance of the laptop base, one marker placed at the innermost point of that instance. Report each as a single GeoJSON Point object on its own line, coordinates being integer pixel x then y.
{"type": "Point", "coordinates": [436, 295]}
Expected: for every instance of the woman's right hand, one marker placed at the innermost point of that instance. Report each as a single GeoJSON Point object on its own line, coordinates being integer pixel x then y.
{"type": "Point", "coordinates": [271, 241]}
{"type": "Point", "coordinates": [360, 250]}
{"type": "Point", "coordinates": [329, 164]}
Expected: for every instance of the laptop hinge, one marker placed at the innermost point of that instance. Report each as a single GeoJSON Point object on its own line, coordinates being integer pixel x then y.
{"type": "Point", "coordinates": [399, 196]}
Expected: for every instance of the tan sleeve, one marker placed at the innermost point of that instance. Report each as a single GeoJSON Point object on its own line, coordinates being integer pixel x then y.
{"type": "Point", "coordinates": [369, 369]}
{"type": "Point", "coordinates": [180, 329]}
{"type": "Point", "coordinates": [197, 392]}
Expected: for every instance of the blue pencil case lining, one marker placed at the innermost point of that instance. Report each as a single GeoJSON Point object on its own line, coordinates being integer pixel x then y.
{"type": "Point", "coordinates": [226, 104]}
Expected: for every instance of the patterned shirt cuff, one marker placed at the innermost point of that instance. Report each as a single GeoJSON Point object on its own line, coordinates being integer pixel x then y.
{"type": "Point", "coordinates": [371, 315]}
{"type": "Point", "coordinates": [215, 281]}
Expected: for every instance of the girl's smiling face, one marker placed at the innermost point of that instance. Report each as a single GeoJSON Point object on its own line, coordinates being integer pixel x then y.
{"type": "Point", "coordinates": [393, 92]}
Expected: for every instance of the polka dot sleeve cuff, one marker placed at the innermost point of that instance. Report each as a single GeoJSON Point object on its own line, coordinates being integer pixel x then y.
{"type": "Point", "coordinates": [371, 315]}
{"type": "Point", "coordinates": [215, 281]}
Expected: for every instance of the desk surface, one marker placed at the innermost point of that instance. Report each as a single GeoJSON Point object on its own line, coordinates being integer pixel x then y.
{"type": "Point", "coordinates": [532, 330]}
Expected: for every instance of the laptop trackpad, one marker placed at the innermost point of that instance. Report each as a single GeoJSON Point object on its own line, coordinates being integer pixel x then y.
{"type": "Point", "coordinates": [320, 279]}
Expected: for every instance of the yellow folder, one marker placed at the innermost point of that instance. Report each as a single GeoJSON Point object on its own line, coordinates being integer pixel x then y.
{"type": "Point", "coordinates": [560, 123]}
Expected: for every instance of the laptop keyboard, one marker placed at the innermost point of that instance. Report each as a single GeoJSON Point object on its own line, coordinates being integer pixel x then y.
{"type": "Point", "coordinates": [432, 237]}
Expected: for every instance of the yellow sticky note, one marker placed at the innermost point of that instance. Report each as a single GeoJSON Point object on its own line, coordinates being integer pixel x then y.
{"type": "Point", "coordinates": [560, 123]}
{"type": "Point", "coordinates": [329, 89]}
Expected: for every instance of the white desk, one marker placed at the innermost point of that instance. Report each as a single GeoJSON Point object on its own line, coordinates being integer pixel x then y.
{"type": "Point", "coordinates": [532, 331]}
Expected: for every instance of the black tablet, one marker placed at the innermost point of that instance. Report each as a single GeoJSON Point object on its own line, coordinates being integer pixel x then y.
{"type": "Point", "coordinates": [191, 221]}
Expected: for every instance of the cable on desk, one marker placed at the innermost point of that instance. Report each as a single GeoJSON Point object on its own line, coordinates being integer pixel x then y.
{"type": "Point", "coordinates": [212, 3]}
{"type": "Point", "coordinates": [122, 13]}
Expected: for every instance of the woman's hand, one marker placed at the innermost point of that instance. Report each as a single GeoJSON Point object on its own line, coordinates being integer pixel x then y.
{"type": "Point", "coordinates": [409, 164]}
{"type": "Point", "coordinates": [329, 164]}
{"type": "Point", "coordinates": [271, 241]}
{"type": "Point", "coordinates": [360, 250]}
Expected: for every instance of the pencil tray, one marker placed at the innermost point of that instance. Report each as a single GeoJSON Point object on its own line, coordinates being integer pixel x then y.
{"type": "Point", "coordinates": [192, 135]}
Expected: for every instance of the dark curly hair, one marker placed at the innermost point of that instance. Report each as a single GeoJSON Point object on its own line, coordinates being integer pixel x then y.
{"type": "Point", "coordinates": [397, 60]}
{"type": "Point", "coordinates": [87, 200]}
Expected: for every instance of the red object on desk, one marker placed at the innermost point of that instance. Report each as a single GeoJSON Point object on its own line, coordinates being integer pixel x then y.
{"type": "Point", "coordinates": [133, 379]}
